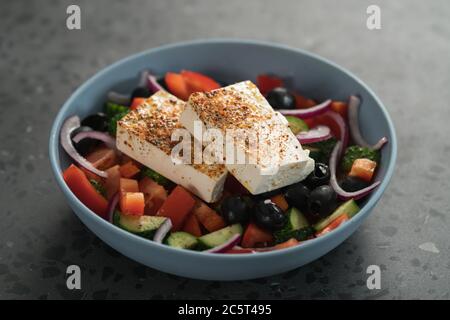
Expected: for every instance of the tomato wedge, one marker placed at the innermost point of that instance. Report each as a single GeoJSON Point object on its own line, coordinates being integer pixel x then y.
{"type": "Point", "coordinates": [177, 85]}
{"type": "Point", "coordinates": [192, 226]}
{"type": "Point", "coordinates": [132, 203]}
{"type": "Point", "coordinates": [112, 182]}
{"type": "Point", "coordinates": [333, 224]}
{"type": "Point", "coordinates": [177, 207]}
{"type": "Point", "coordinates": [265, 83]}
{"type": "Point", "coordinates": [198, 82]}
{"type": "Point", "coordinates": [154, 195]}
{"type": "Point", "coordinates": [102, 158]}
{"type": "Point", "coordinates": [255, 236]}
{"type": "Point", "coordinates": [208, 217]}
{"type": "Point", "coordinates": [340, 107]}
{"type": "Point", "coordinates": [136, 103]}
{"type": "Point", "coordinates": [129, 169]}
{"type": "Point", "coordinates": [79, 184]}
{"type": "Point", "coordinates": [302, 102]}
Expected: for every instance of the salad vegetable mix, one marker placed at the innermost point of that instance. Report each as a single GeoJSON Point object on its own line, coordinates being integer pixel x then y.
{"type": "Point", "coordinates": [142, 201]}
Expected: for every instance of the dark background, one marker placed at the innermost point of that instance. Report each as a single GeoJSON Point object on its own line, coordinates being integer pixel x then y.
{"type": "Point", "coordinates": [407, 63]}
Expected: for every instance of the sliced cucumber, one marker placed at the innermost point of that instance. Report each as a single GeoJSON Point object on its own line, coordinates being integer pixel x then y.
{"type": "Point", "coordinates": [218, 237]}
{"type": "Point", "coordinates": [297, 219]}
{"type": "Point", "coordinates": [350, 208]}
{"type": "Point", "coordinates": [296, 124]}
{"type": "Point", "coordinates": [144, 226]}
{"type": "Point", "coordinates": [182, 240]}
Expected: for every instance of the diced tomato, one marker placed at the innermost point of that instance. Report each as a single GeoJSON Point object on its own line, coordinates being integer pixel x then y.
{"type": "Point", "coordinates": [239, 251]}
{"type": "Point", "coordinates": [302, 102]}
{"type": "Point", "coordinates": [130, 169]}
{"type": "Point", "coordinates": [79, 184]}
{"type": "Point", "coordinates": [136, 103]}
{"type": "Point", "coordinates": [102, 158]}
{"type": "Point", "coordinates": [233, 186]}
{"type": "Point", "coordinates": [363, 169]}
{"type": "Point", "coordinates": [287, 244]}
{"type": "Point", "coordinates": [128, 185]}
{"type": "Point", "coordinates": [280, 201]}
{"type": "Point", "coordinates": [333, 224]}
{"type": "Point", "coordinates": [154, 195]}
{"type": "Point", "coordinates": [198, 82]}
{"type": "Point", "coordinates": [132, 203]}
{"type": "Point", "coordinates": [192, 226]}
{"type": "Point", "coordinates": [209, 218]}
{"type": "Point", "coordinates": [255, 236]}
{"type": "Point", "coordinates": [112, 182]}
{"type": "Point", "coordinates": [177, 207]}
{"type": "Point", "coordinates": [265, 83]}
{"type": "Point", "coordinates": [177, 85]}
{"type": "Point", "coordinates": [340, 107]}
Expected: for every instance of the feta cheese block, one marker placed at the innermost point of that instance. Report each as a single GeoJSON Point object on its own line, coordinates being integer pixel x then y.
{"type": "Point", "coordinates": [145, 135]}
{"type": "Point", "coordinates": [277, 160]}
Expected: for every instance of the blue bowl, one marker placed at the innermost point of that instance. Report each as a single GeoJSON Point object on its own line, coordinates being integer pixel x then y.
{"type": "Point", "coordinates": [229, 61]}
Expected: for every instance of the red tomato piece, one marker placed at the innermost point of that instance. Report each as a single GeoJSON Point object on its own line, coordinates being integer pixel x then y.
{"type": "Point", "coordinates": [333, 224]}
{"type": "Point", "coordinates": [192, 226]}
{"type": "Point", "coordinates": [177, 207]}
{"type": "Point", "coordinates": [198, 82]}
{"type": "Point", "coordinates": [302, 102]}
{"type": "Point", "coordinates": [154, 195]}
{"type": "Point", "coordinates": [129, 169]}
{"type": "Point", "coordinates": [280, 201]}
{"type": "Point", "coordinates": [209, 218]}
{"type": "Point", "coordinates": [265, 83]}
{"type": "Point", "coordinates": [128, 185]}
{"type": "Point", "coordinates": [363, 169]}
{"type": "Point", "coordinates": [102, 158]}
{"type": "Point", "coordinates": [136, 103]}
{"type": "Point", "coordinates": [112, 182]}
{"type": "Point", "coordinates": [255, 236]}
{"type": "Point", "coordinates": [132, 203]}
{"type": "Point", "coordinates": [79, 184]}
{"type": "Point", "coordinates": [177, 85]}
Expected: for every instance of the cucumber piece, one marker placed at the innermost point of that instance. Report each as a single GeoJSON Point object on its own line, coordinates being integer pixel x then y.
{"type": "Point", "coordinates": [182, 240]}
{"type": "Point", "coordinates": [297, 219]}
{"type": "Point", "coordinates": [296, 124]}
{"type": "Point", "coordinates": [144, 226]}
{"type": "Point", "coordinates": [350, 208]}
{"type": "Point", "coordinates": [218, 237]}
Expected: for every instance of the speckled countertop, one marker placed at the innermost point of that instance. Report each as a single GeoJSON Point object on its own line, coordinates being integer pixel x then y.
{"type": "Point", "coordinates": [407, 63]}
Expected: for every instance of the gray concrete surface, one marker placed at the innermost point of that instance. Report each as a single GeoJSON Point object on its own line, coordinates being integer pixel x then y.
{"type": "Point", "coordinates": [407, 63]}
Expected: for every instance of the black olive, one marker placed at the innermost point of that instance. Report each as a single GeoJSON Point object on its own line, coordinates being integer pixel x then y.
{"type": "Point", "coordinates": [322, 201]}
{"type": "Point", "coordinates": [352, 184]}
{"type": "Point", "coordinates": [281, 98]}
{"type": "Point", "coordinates": [84, 146]}
{"type": "Point", "coordinates": [319, 176]}
{"type": "Point", "coordinates": [97, 121]}
{"type": "Point", "coordinates": [297, 196]}
{"type": "Point", "coordinates": [236, 209]}
{"type": "Point", "coordinates": [140, 92]}
{"type": "Point", "coordinates": [269, 216]}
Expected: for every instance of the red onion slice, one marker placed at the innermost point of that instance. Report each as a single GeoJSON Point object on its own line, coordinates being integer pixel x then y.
{"type": "Point", "coordinates": [153, 84]}
{"type": "Point", "coordinates": [343, 129]}
{"type": "Point", "coordinates": [67, 128]}
{"type": "Point", "coordinates": [309, 112]}
{"type": "Point", "coordinates": [342, 194]}
{"type": "Point", "coordinates": [230, 243]}
{"type": "Point", "coordinates": [162, 231]}
{"type": "Point", "coordinates": [97, 135]}
{"type": "Point", "coordinates": [112, 204]}
{"type": "Point", "coordinates": [319, 133]}
{"type": "Point", "coordinates": [353, 118]}
{"type": "Point", "coordinates": [118, 98]}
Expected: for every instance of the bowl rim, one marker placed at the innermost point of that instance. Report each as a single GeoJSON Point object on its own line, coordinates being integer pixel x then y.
{"type": "Point", "coordinates": [365, 210]}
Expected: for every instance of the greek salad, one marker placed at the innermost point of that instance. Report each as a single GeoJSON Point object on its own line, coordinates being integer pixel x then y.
{"type": "Point", "coordinates": [122, 170]}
